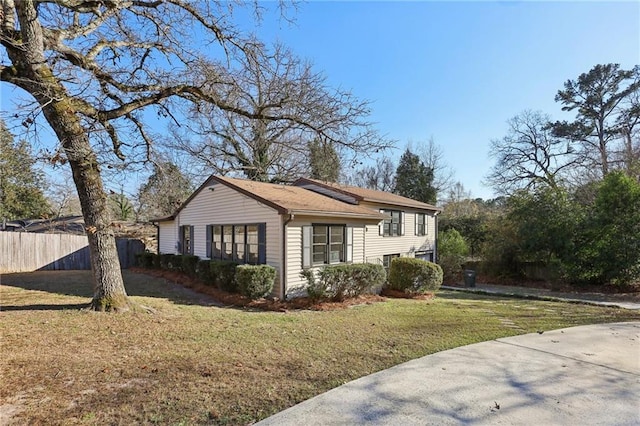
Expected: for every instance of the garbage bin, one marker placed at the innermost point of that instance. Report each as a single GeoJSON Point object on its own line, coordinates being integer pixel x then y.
{"type": "Point", "coordinates": [469, 278]}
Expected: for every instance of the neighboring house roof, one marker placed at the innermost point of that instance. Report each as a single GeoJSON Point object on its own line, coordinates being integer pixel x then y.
{"type": "Point", "coordinates": [362, 194]}
{"type": "Point", "coordinates": [65, 224]}
{"type": "Point", "coordinates": [287, 199]}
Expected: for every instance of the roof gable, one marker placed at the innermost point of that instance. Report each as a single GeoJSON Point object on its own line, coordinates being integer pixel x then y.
{"type": "Point", "coordinates": [338, 191]}
{"type": "Point", "coordinates": [287, 199]}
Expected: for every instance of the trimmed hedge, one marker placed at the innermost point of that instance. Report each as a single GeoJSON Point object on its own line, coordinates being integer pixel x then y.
{"type": "Point", "coordinates": [203, 271]}
{"type": "Point", "coordinates": [189, 264]}
{"type": "Point", "coordinates": [315, 288]}
{"type": "Point", "coordinates": [171, 262]}
{"type": "Point", "coordinates": [146, 259]}
{"type": "Point", "coordinates": [255, 281]}
{"type": "Point", "coordinates": [414, 275]}
{"type": "Point", "coordinates": [223, 274]}
{"type": "Point", "coordinates": [338, 282]}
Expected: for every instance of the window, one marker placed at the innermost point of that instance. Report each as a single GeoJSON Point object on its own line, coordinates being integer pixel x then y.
{"type": "Point", "coordinates": [386, 260]}
{"type": "Point", "coordinates": [325, 244]}
{"type": "Point", "coordinates": [227, 242]}
{"type": "Point", "coordinates": [393, 226]}
{"type": "Point", "coordinates": [424, 255]}
{"type": "Point", "coordinates": [185, 242]}
{"type": "Point", "coordinates": [320, 239]}
{"type": "Point", "coordinates": [216, 247]}
{"type": "Point", "coordinates": [253, 245]}
{"type": "Point", "coordinates": [421, 224]}
{"type": "Point", "coordinates": [240, 243]}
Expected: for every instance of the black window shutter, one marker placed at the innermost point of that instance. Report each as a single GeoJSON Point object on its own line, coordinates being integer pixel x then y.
{"type": "Point", "coordinates": [209, 235]}
{"type": "Point", "coordinates": [262, 243]}
{"type": "Point", "coordinates": [180, 239]}
{"type": "Point", "coordinates": [191, 238]}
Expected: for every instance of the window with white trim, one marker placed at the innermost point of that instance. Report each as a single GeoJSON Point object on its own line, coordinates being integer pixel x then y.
{"type": "Point", "coordinates": [324, 244]}
{"type": "Point", "coordinates": [393, 226]}
{"type": "Point", "coordinates": [185, 244]}
{"type": "Point", "coordinates": [421, 224]}
{"type": "Point", "coordinates": [387, 258]}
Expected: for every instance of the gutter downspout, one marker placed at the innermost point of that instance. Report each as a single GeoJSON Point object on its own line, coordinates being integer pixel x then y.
{"type": "Point", "coordinates": [283, 281]}
{"type": "Point", "coordinates": [157, 226]}
{"type": "Point", "coordinates": [435, 240]}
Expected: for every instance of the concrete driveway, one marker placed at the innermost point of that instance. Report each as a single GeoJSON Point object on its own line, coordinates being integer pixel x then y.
{"type": "Point", "coordinates": [587, 375]}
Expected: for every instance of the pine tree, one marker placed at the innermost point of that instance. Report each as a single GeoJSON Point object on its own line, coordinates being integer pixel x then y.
{"type": "Point", "coordinates": [414, 179]}
{"type": "Point", "coordinates": [324, 161]}
{"type": "Point", "coordinates": [21, 194]}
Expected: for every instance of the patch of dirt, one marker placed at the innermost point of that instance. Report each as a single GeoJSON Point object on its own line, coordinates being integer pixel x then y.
{"type": "Point", "coordinates": [266, 304]}
{"type": "Point", "coordinates": [12, 407]}
{"type": "Point", "coordinates": [396, 294]}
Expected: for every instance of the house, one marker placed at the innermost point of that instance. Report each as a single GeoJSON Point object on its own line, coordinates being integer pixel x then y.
{"type": "Point", "coordinates": [292, 227]}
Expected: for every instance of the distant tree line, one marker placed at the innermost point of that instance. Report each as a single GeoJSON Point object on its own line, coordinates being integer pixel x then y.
{"type": "Point", "coordinates": [570, 189]}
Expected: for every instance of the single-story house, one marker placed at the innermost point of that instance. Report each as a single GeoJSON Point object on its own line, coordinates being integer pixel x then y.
{"type": "Point", "coordinates": [293, 227]}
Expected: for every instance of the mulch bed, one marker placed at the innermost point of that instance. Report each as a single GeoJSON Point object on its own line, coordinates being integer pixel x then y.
{"type": "Point", "coordinates": [272, 304]}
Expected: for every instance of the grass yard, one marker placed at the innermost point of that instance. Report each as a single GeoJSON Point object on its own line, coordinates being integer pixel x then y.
{"type": "Point", "coordinates": [191, 362]}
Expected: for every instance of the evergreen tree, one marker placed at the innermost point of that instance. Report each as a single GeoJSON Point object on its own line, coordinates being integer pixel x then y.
{"type": "Point", "coordinates": [324, 161]}
{"type": "Point", "coordinates": [164, 191]}
{"type": "Point", "coordinates": [121, 207]}
{"type": "Point", "coordinates": [414, 179]}
{"type": "Point", "coordinates": [21, 184]}
{"type": "Point", "coordinates": [606, 113]}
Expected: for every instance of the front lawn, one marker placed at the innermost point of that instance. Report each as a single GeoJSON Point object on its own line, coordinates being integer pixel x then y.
{"type": "Point", "coordinates": [191, 362]}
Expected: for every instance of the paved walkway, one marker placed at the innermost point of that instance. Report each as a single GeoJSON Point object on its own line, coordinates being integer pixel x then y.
{"type": "Point", "coordinates": [627, 301]}
{"type": "Point", "coordinates": [588, 375]}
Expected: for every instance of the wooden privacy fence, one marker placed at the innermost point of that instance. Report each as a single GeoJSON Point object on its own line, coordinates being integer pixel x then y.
{"type": "Point", "coordinates": [26, 252]}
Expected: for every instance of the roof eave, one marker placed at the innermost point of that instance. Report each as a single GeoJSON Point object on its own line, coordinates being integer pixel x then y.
{"type": "Point", "coordinates": [373, 216]}
{"type": "Point", "coordinates": [388, 203]}
{"type": "Point", "coordinates": [163, 219]}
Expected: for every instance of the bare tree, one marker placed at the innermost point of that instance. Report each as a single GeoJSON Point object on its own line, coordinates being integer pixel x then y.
{"type": "Point", "coordinates": [93, 67]}
{"type": "Point", "coordinates": [62, 196]}
{"type": "Point", "coordinates": [433, 157]}
{"type": "Point", "coordinates": [380, 176]}
{"type": "Point", "coordinates": [529, 155]}
{"type": "Point", "coordinates": [290, 105]}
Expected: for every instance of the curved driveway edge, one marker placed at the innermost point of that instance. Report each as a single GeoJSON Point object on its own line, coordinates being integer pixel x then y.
{"type": "Point", "coordinates": [581, 375]}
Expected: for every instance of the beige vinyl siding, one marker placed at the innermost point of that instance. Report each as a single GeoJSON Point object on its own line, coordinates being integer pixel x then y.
{"type": "Point", "coordinates": [225, 206]}
{"type": "Point", "coordinates": [295, 283]}
{"type": "Point", "coordinates": [405, 245]}
{"type": "Point", "coordinates": [168, 237]}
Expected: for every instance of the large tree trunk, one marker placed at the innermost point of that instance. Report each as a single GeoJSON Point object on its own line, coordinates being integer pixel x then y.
{"type": "Point", "coordinates": [109, 291]}
{"type": "Point", "coordinates": [32, 73]}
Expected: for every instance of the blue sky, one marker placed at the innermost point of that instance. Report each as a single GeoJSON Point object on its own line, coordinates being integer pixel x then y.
{"type": "Point", "coordinates": [456, 71]}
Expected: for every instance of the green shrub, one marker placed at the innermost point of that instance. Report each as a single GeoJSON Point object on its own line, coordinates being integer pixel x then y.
{"type": "Point", "coordinates": [315, 288]}
{"type": "Point", "coordinates": [203, 272]}
{"type": "Point", "coordinates": [189, 263]}
{"type": "Point", "coordinates": [255, 281]}
{"type": "Point", "coordinates": [157, 261]}
{"type": "Point", "coordinates": [338, 282]}
{"type": "Point", "coordinates": [223, 274]}
{"type": "Point", "coordinates": [146, 259]}
{"type": "Point", "coordinates": [414, 275]}
{"type": "Point", "coordinates": [170, 262]}
{"type": "Point", "coordinates": [452, 252]}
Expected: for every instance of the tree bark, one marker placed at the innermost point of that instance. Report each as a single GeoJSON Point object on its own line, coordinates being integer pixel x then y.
{"type": "Point", "coordinates": [32, 73]}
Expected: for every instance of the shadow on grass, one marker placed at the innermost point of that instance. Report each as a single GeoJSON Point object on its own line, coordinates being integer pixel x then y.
{"type": "Point", "coordinates": [461, 295]}
{"type": "Point", "coordinates": [79, 284]}
{"type": "Point", "coordinates": [71, 306]}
